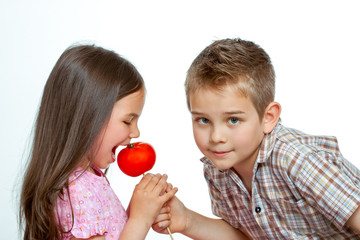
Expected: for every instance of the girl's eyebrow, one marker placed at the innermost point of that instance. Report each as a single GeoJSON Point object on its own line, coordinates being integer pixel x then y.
{"type": "Point", "coordinates": [133, 115]}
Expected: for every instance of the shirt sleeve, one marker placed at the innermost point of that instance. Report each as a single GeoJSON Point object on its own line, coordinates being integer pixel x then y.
{"type": "Point", "coordinates": [331, 185]}
{"type": "Point", "coordinates": [82, 214]}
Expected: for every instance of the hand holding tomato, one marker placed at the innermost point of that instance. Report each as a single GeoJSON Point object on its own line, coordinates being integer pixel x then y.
{"type": "Point", "coordinates": [136, 159]}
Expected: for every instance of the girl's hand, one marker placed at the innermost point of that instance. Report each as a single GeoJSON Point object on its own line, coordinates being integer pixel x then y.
{"type": "Point", "coordinates": [149, 196]}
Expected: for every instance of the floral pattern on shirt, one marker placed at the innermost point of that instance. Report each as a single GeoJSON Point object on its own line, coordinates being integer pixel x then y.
{"type": "Point", "coordinates": [96, 208]}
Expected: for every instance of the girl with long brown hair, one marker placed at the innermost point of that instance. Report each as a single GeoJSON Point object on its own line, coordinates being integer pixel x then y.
{"type": "Point", "coordinates": [91, 104]}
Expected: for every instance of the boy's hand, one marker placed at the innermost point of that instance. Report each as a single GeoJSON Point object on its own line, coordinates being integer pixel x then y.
{"type": "Point", "coordinates": [354, 221]}
{"type": "Point", "coordinates": [185, 221]}
{"type": "Point", "coordinates": [173, 215]}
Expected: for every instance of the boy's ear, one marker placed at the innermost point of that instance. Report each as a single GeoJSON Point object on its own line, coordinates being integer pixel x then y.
{"type": "Point", "coordinates": [271, 116]}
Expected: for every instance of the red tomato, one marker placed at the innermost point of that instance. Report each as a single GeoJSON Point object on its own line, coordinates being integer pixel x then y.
{"type": "Point", "coordinates": [136, 159]}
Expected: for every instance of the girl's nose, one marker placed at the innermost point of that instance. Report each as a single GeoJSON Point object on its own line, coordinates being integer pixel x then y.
{"type": "Point", "coordinates": [135, 132]}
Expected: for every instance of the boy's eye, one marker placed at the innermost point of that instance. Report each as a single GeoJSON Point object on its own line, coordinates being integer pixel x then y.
{"type": "Point", "coordinates": [233, 121]}
{"type": "Point", "coordinates": [203, 120]}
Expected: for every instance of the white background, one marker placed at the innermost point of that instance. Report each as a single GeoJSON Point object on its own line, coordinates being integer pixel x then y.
{"type": "Point", "coordinates": [314, 46]}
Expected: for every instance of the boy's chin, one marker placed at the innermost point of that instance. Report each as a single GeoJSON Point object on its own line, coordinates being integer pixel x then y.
{"type": "Point", "coordinates": [221, 165]}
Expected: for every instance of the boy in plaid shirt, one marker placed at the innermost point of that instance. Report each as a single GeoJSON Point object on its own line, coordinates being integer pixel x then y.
{"type": "Point", "coordinates": [265, 180]}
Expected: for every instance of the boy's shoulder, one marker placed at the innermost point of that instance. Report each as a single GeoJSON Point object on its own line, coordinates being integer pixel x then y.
{"type": "Point", "coordinates": [291, 151]}
{"type": "Point", "coordinates": [297, 142]}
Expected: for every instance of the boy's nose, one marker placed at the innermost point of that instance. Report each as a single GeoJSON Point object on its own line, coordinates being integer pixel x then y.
{"type": "Point", "coordinates": [217, 135]}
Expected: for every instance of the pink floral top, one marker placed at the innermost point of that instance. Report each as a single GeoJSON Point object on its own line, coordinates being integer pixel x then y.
{"type": "Point", "coordinates": [96, 208]}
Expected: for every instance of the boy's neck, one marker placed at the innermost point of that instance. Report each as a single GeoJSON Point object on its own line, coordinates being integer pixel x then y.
{"type": "Point", "coordinates": [246, 179]}
{"type": "Point", "coordinates": [245, 170]}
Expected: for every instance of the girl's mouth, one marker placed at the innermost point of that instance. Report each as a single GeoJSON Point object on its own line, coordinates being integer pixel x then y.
{"type": "Point", "coordinates": [113, 153]}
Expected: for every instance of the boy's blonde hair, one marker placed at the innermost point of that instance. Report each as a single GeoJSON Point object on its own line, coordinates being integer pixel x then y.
{"type": "Point", "coordinates": [236, 62]}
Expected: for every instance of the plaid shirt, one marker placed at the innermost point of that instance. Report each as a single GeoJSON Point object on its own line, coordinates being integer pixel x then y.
{"type": "Point", "coordinates": [302, 188]}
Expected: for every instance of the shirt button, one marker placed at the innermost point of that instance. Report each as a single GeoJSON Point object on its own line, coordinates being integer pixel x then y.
{"type": "Point", "coordinates": [258, 209]}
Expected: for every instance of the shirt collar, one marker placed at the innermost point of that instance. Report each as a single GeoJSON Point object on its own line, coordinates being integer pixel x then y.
{"type": "Point", "coordinates": [268, 144]}
{"type": "Point", "coordinates": [208, 162]}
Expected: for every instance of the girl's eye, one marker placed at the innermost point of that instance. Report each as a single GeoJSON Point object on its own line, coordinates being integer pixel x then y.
{"type": "Point", "coordinates": [127, 122]}
{"type": "Point", "coordinates": [233, 121]}
{"type": "Point", "coordinates": [203, 121]}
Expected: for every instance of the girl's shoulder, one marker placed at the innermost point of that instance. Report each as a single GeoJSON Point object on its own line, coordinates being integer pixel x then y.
{"type": "Point", "coordinates": [90, 207]}
{"type": "Point", "coordinates": [82, 179]}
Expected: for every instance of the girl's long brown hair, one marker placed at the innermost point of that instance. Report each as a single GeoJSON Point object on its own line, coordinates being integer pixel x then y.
{"type": "Point", "coordinates": [77, 102]}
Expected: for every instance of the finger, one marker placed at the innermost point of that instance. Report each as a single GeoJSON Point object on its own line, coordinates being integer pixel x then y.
{"type": "Point", "coordinates": [169, 187]}
{"type": "Point", "coordinates": [167, 196]}
{"type": "Point", "coordinates": [144, 181]}
{"type": "Point", "coordinates": [164, 209]}
{"type": "Point", "coordinates": [153, 182]}
{"type": "Point", "coordinates": [162, 217]}
{"type": "Point", "coordinates": [161, 186]}
{"type": "Point", "coordinates": [160, 227]}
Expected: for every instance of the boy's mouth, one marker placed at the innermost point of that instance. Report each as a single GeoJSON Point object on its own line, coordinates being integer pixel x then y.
{"type": "Point", "coordinates": [220, 153]}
